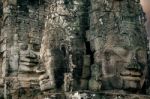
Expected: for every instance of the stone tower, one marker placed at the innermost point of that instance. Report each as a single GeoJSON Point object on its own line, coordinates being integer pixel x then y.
{"type": "Point", "coordinates": [73, 49]}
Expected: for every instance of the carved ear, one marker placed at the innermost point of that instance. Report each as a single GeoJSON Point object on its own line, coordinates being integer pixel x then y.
{"type": "Point", "coordinates": [4, 19]}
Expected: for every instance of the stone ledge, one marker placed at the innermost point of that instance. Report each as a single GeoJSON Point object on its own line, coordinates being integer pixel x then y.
{"type": "Point", "coordinates": [94, 95]}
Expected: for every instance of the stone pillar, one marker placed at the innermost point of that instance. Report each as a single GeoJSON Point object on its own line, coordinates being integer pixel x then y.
{"type": "Point", "coordinates": [7, 31]}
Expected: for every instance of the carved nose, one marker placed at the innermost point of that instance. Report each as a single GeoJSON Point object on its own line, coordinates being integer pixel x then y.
{"type": "Point", "coordinates": [134, 65]}
{"type": "Point", "coordinates": [31, 54]}
{"type": "Point", "coordinates": [133, 57]}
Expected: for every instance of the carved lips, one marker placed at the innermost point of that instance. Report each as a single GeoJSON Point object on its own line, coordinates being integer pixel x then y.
{"type": "Point", "coordinates": [131, 75]}
{"type": "Point", "coordinates": [28, 61]}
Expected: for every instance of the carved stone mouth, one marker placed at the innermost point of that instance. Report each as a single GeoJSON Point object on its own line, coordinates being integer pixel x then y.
{"type": "Point", "coordinates": [30, 62]}
{"type": "Point", "coordinates": [131, 75]}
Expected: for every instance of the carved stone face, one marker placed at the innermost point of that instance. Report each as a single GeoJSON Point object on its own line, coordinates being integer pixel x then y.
{"type": "Point", "coordinates": [123, 67]}
{"type": "Point", "coordinates": [24, 56]}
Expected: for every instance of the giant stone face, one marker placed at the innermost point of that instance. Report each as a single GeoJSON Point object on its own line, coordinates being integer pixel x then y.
{"type": "Point", "coordinates": [123, 66]}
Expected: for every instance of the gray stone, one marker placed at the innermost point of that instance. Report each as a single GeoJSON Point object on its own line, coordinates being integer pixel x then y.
{"type": "Point", "coordinates": [73, 49]}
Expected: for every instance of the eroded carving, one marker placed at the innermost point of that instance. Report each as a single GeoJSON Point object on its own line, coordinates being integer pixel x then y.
{"type": "Point", "coordinates": [67, 49]}
{"type": "Point", "coordinates": [119, 45]}
{"type": "Point", "coordinates": [61, 50]}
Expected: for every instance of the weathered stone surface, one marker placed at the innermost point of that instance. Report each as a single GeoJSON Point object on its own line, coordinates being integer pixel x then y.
{"type": "Point", "coordinates": [116, 46]}
{"type": "Point", "coordinates": [73, 49]}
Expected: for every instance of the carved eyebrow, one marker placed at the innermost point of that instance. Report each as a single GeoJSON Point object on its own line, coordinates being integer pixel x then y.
{"type": "Point", "coordinates": [119, 49]}
{"type": "Point", "coordinates": [139, 48]}
{"type": "Point", "coordinates": [124, 50]}
{"type": "Point", "coordinates": [114, 49]}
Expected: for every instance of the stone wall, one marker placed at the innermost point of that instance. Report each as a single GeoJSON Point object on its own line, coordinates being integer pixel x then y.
{"type": "Point", "coordinates": [73, 49]}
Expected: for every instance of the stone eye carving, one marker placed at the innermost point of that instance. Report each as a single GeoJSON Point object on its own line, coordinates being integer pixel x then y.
{"type": "Point", "coordinates": [107, 56]}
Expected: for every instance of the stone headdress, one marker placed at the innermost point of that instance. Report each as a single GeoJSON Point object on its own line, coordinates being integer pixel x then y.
{"type": "Point", "coordinates": [119, 22]}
